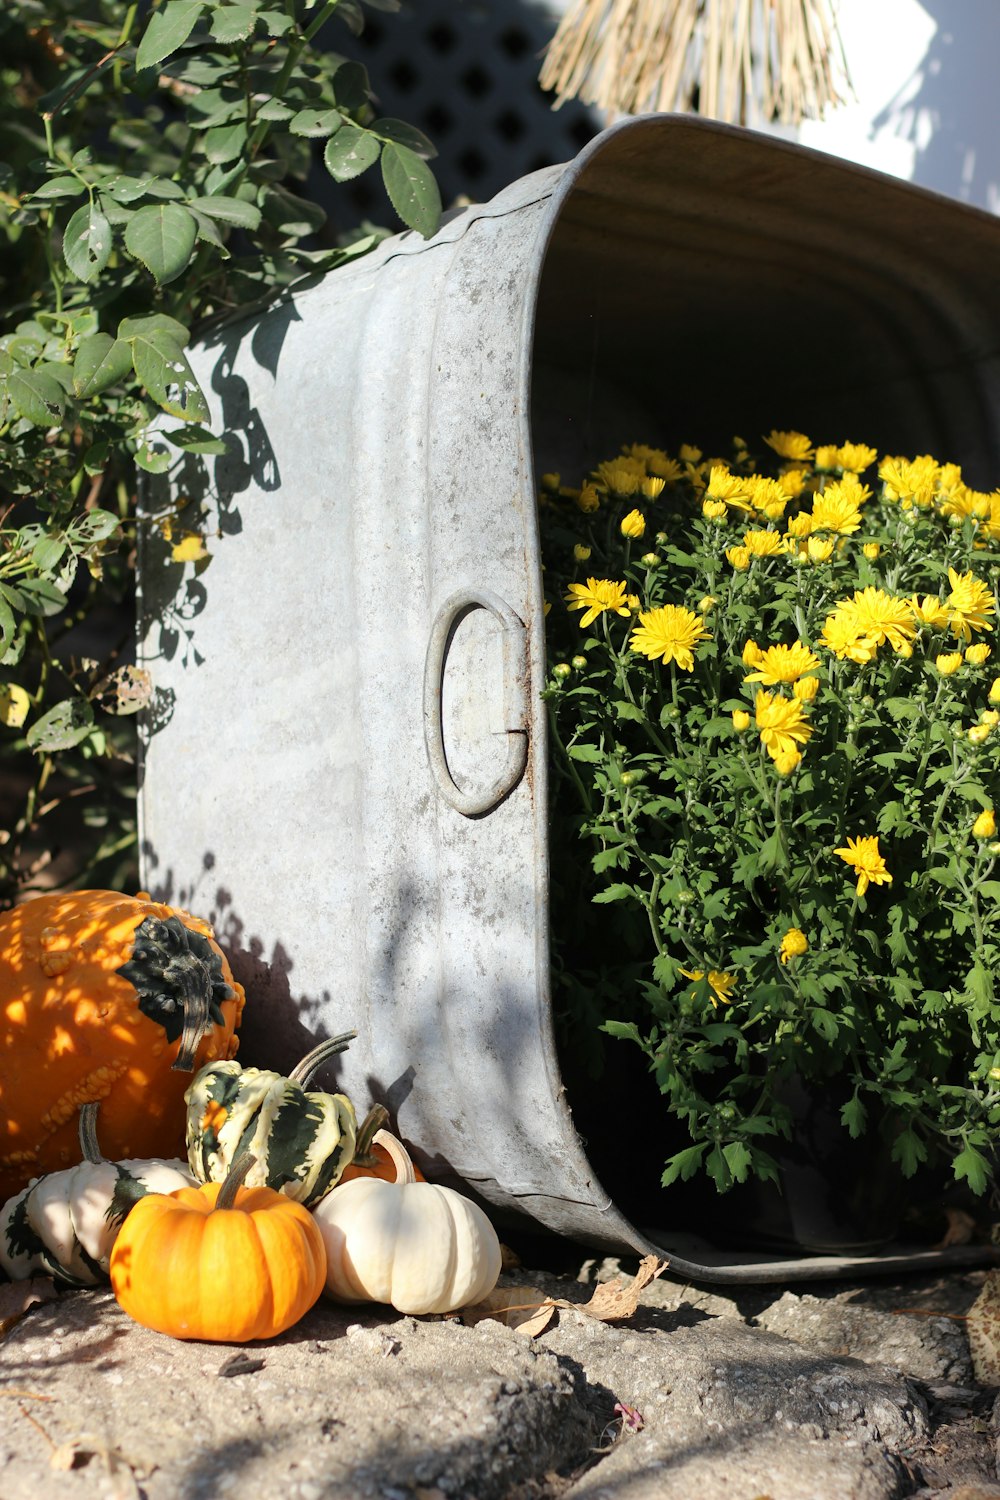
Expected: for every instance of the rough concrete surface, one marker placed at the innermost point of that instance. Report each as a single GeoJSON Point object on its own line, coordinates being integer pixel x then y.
{"type": "Point", "coordinates": [832, 1393]}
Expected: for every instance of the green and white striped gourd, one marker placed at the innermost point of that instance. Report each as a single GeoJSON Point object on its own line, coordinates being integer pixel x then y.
{"type": "Point", "coordinates": [64, 1224]}
{"type": "Point", "coordinates": [303, 1139]}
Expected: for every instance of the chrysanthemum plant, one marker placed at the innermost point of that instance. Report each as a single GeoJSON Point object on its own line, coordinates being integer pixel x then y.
{"type": "Point", "coordinates": [775, 715]}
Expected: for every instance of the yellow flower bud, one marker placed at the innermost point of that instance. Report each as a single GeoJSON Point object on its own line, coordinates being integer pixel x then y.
{"type": "Point", "coordinates": [985, 825]}
{"type": "Point", "coordinates": [793, 944]}
{"type": "Point", "coordinates": [578, 662]}
{"type": "Point", "coordinates": [580, 552]}
{"type": "Point", "coordinates": [650, 559]}
{"type": "Point", "coordinates": [820, 549]}
{"type": "Point", "coordinates": [652, 486]}
{"type": "Point", "coordinates": [588, 500]}
{"type": "Point", "coordinates": [977, 654]}
{"type": "Point", "coordinates": [994, 693]}
{"type": "Point", "coordinates": [948, 662]}
{"type": "Point", "coordinates": [634, 525]}
{"type": "Point", "coordinates": [714, 510]}
{"type": "Point", "coordinates": [990, 717]}
{"type": "Point", "coordinates": [979, 732]}
{"type": "Point", "coordinates": [871, 550]}
{"type": "Point", "coordinates": [741, 720]}
{"type": "Point", "coordinates": [751, 654]}
{"type": "Point", "coordinates": [806, 688]}
{"type": "Point", "coordinates": [561, 670]}
{"type": "Point", "coordinates": [550, 481]}
{"type": "Point", "coordinates": [786, 761]}
{"type": "Point", "coordinates": [706, 604]}
{"type": "Point", "coordinates": [738, 557]}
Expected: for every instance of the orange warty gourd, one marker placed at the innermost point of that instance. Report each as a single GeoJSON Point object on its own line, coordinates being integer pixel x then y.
{"type": "Point", "coordinates": [104, 997]}
{"type": "Point", "coordinates": [219, 1262]}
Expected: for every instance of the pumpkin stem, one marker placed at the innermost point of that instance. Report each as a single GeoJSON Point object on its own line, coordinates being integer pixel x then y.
{"type": "Point", "coordinates": [399, 1154]}
{"type": "Point", "coordinates": [373, 1121]}
{"type": "Point", "coordinates": [303, 1071]}
{"type": "Point", "coordinates": [234, 1180]}
{"type": "Point", "coordinates": [89, 1148]}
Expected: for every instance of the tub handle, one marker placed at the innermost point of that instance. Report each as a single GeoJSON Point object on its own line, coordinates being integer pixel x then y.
{"type": "Point", "coordinates": [515, 673]}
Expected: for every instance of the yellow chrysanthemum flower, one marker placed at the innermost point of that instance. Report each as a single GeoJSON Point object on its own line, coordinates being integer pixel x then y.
{"type": "Point", "coordinates": [793, 944]}
{"type": "Point", "coordinates": [588, 499]}
{"type": "Point", "coordinates": [714, 510]}
{"type": "Point", "coordinates": [689, 455]}
{"type": "Point", "coordinates": [786, 761]}
{"type": "Point", "coordinates": [994, 693]}
{"type": "Point", "coordinates": [827, 459]}
{"type": "Point", "coordinates": [741, 720]}
{"type": "Point", "coordinates": [866, 861]}
{"type": "Point", "coordinates": [854, 457]}
{"type": "Point", "coordinates": [819, 549]}
{"type": "Point", "coordinates": [738, 557]}
{"type": "Point", "coordinates": [782, 664]}
{"type": "Point", "coordinates": [763, 543]}
{"type": "Point", "coordinates": [835, 510]}
{"type": "Point", "coordinates": [985, 826]}
{"type": "Point", "coordinates": [669, 634]}
{"type": "Point", "coordinates": [792, 445]}
{"type": "Point", "coordinates": [722, 485]}
{"type": "Point", "coordinates": [881, 616]}
{"type": "Point", "coordinates": [720, 984]}
{"type": "Point", "coordinates": [622, 476]}
{"type": "Point", "coordinates": [800, 525]}
{"type": "Point", "coordinates": [597, 596]}
{"type": "Point", "coordinates": [969, 603]}
{"type": "Point", "coordinates": [929, 611]}
{"type": "Point", "coordinates": [782, 725]}
{"type": "Point", "coordinates": [948, 662]}
{"type": "Point", "coordinates": [843, 636]}
{"type": "Point", "coordinates": [976, 655]}
{"type": "Point", "coordinates": [633, 525]}
{"type": "Point", "coordinates": [806, 689]}
{"type": "Point", "coordinates": [751, 654]}
{"type": "Point", "coordinates": [652, 486]}
{"type": "Point", "coordinates": [792, 482]}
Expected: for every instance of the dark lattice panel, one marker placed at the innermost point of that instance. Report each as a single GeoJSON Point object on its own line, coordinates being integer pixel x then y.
{"type": "Point", "coordinates": [465, 72]}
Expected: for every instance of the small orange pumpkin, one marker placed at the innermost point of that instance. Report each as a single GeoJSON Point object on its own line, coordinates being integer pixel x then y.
{"type": "Point", "coordinates": [219, 1262]}
{"type": "Point", "coordinates": [104, 997]}
{"type": "Point", "coordinates": [381, 1166]}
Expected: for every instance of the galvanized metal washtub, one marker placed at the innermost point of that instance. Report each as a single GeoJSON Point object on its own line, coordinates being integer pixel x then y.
{"type": "Point", "coordinates": [345, 767]}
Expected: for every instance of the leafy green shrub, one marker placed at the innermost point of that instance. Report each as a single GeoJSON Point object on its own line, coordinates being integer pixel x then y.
{"type": "Point", "coordinates": [152, 167]}
{"type": "Point", "coordinates": [776, 725]}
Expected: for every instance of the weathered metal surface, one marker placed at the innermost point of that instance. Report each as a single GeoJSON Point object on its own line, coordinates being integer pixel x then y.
{"type": "Point", "coordinates": [346, 767]}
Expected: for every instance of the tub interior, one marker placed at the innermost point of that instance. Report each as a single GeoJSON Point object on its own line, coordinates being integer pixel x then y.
{"type": "Point", "coordinates": [701, 283]}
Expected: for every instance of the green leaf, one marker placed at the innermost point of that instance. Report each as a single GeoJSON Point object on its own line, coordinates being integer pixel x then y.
{"type": "Point", "coordinates": [276, 21]}
{"type": "Point", "coordinates": [909, 1150]}
{"type": "Point", "coordinates": [412, 189]}
{"type": "Point", "coordinates": [161, 365]}
{"type": "Point", "coordinates": [130, 328]}
{"type": "Point", "coordinates": [627, 1030]}
{"type": "Point", "coordinates": [168, 29]}
{"type": "Point", "coordinates": [38, 397]}
{"type": "Point", "coordinates": [59, 187]}
{"type": "Point", "coordinates": [314, 123]}
{"type": "Point", "coordinates": [228, 210]}
{"type": "Point", "coordinates": [47, 554]}
{"type": "Point", "coordinates": [589, 753]}
{"type": "Point", "coordinates": [7, 625]}
{"type": "Point", "coordinates": [404, 135]}
{"type": "Point", "coordinates": [87, 242]}
{"type": "Point", "coordinates": [94, 526]}
{"type": "Point", "coordinates": [195, 439]}
{"type": "Point", "coordinates": [609, 859]}
{"type": "Point", "coordinates": [233, 23]}
{"type": "Point", "coordinates": [162, 236]}
{"type": "Point", "coordinates": [738, 1160]}
{"type": "Point", "coordinates": [682, 1166]}
{"type": "Point", "coordinates": [225, 143]}
{"type": "Point", "coordinates": [854, 1116]}
{"type": "Point", "coordinates": [62, 727]}
{"type": "Point", "coordinates": [350, 152]}
{"type": "Point", "coordinates": [612, 893]}
{"type": "Point", "coordinates": [971, 1165]}
{"type": "Point", "coordinates": [153, 456]}
{"type": "Point", "coordinates": [100, 362]}
{"type": "Point", "coordinates": [351, 88]}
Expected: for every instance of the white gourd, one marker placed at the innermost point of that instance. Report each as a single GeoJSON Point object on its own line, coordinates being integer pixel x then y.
{"type": "Point", "coordinates": [416, 1246]}
{"type": "Point", "coordinates": [64, 1224]}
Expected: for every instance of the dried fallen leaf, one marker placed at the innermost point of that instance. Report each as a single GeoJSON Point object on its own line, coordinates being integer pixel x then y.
{"type": "Point", "coordinates": [241, 1364]}
{"type": "Point", "coordinates": [70, 1456]}
{"type": "Point", "coordinates": [523, 1308]}
{"type": "Point", "coordinates": [17, 1296]}
{"type": "Point", "coordinates": [612, 1302]}
{"type": "Point", "coordinates": [983, 1329]}
{"type": "Point", "coordinates": [960, 1230]}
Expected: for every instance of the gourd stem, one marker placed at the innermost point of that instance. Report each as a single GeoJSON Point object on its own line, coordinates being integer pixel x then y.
{"type": "Point", "coordinates": [373, 1121]}
{"type": "Point", "coordinates": [234, 1180]}
{"type": "Point", "coordinates": [89, 1148]}
{"type": "Point", "coordinates": [399, 1154]}
{"type": "Point", "coordinates": [304, 1070]}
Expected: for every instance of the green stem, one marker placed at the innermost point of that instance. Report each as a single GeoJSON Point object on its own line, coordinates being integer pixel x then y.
{"type": "Point", "coordinates": [375, 1120]}
{"type": "Point", "coordinates": [234, 1180]}
{"type": "Point", "coordinates": [303, 1071]}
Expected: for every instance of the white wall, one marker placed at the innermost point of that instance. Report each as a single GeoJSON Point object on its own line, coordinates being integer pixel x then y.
{"type": "Point", "coordinates": [927, 78]}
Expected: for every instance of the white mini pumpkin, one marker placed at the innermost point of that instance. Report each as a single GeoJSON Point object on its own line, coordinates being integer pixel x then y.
{"type": "Point", "coordinates": [416, 1246]}
{"type": "Point", "coordinates": [64, 1224]}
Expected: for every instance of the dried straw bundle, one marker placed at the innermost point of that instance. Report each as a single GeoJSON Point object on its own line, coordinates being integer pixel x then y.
{"type": "Point", "coordinates": [732, 60]}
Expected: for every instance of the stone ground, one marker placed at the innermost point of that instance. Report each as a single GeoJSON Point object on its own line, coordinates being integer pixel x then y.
{"type": "Point", "coordinates": [828, 1392]}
